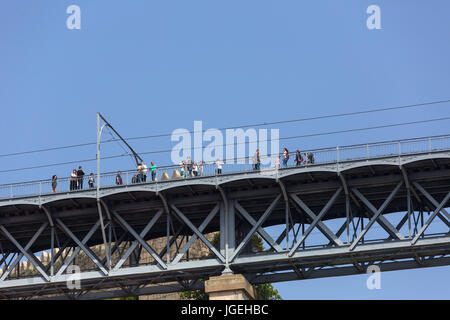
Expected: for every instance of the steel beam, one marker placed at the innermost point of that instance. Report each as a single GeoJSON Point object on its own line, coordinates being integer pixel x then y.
{"type": "Point", "coordinates": [224, 226]}
{"type": "Point", "coordinates": [102, 227]}
{"type": "Point", "coordinates": [24, 252]}
{"type": "Point", "coordinates": [81, 245]}
{"type": "Point", "coordinates": [256, 227]}
{"type": "Point", "coordinates": [430, 219]}
{"type": "Point", "coordinates": [139, 239]}
{"type": "Point", "coordinates": [136, 242]}
{"type": "Point", "coordinates": [198, 233]}
{"type": "Point", "coordinates": [260, 230]}
{"type": "Point", "coordinates": [49, 216]}
{"type": "Point", "coordinates": [202, 227]}
{"type": "Point", "coordinates": [320, 225]}
{"type": "Point", "coordinates": [315, 221]}
{"type": "Point", "coordinates": [431, 199]}
{"type": "Point", "coordinates": [230, 220]}
{"type": "Point", "coordinates": [350, 270]}
{"type": "Point", "coordinates": [77, 250]}
{"type": "Point", "coordinates": [287, 212]}
{"type": "Point", "coordinates": [377, 216]}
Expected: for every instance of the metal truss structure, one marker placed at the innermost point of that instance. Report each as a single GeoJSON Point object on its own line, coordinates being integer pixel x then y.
{"type": "Point", "coordinates": [326, 217]}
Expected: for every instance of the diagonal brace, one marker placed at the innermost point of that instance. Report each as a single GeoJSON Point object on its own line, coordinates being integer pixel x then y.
{"type": "Point", "coordinates": [24, 252]}
{"type": "Point", "coordinates": [195, 236]}
{"type": "Point", "coordinates": [198, 233]}
{"type": "Point", "coordinates": [320, 225]}
{"type": "Point", "coordinates": [139, 239]}
{"type": "Point", "coordinates": [430, 219]}
{"type": "Point", "coordinates": [432, 200]}
{"type": "Point", "coordinates": [81, 245]}
{"type": "Point", "coordinates": [376, 215]}
{"type": "Point", "coordinates": [256, 227]}
{"type": "Point", "coordinates": [135, 243]}
{"type": "Point", "coordinates": [393, 232]}
{"type": "Point", "coordinates": [260, 230]}
{"type": "Point", "coordinates": [316, 221]}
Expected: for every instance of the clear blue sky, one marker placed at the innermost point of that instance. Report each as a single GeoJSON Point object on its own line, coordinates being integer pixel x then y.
{"type": "Point", "coordinates": [153, 66]}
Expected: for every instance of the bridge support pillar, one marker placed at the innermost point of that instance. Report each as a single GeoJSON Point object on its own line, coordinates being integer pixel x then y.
{"type": "Point", "coordinates": [229, 287]}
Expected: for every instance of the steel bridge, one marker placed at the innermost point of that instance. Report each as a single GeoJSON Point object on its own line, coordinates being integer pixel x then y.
{"type": "Point", "coordinates": [356, 206]}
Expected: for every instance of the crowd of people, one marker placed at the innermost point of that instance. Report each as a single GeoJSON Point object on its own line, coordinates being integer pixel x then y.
{"type": "Point", "coordinates": [298, 160]}
{"type": "Point", "coordinates": [141, 175]}
{"type": "Point", "coordinates": [191, 168]}
{"type": "Point", "coordinates": [188, 168]}
{"type": "Point", "coordinates": [76, 180]}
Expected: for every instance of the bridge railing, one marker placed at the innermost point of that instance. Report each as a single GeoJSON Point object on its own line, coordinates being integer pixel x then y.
{"type": "Point", "coordinates": [321, 156]}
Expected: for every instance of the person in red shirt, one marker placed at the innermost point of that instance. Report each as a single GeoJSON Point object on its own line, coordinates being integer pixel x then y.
{"type": "Point", "coordinates": [285, 157]}
{"type": "Point", "coordinates": [119, 180]}
{"type": "Point", "coordinates": [298, 158]}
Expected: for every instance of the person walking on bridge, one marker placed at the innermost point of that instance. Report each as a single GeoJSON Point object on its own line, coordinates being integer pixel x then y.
{"type": "Point", "coordinates": [144, 172]}
{"type": "Point", "coordinates": [200, 167]}
{"type": "Point", "coordinates": [195, 169]}
{"type": "Point", "coordinates": [54, 183]}
{"type": "Point", "coordinates": [257, 157]}
{"type": "Point", "coordinates": [80, 175]}
{"type": "Point", "coordinates": [140, 175]}
{"type": "Point", "coordinates": [189, 166]}
{"type": "Point", "coordinates": [285, 157]}
{"type": "Point", "coordinates": [119, 180]}
{"type": "Point", "coordinates": [153, 168]}
{"type": "Point", "coordinates": [182, 169]}
{"type": "Point", "coordinates": [277, 161]}
{"type": "Point", "coordinates": [298, 158]}
{"type": "Point", "coordinates": [73, 180]}
{"type": "Point", "coordinates": [219, 164]}
{"type": "Point", "coordinates": [91, 181]}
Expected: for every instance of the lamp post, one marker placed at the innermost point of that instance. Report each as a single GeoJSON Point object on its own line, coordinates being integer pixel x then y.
{"type": "Point", "coordinates": [99, 133]}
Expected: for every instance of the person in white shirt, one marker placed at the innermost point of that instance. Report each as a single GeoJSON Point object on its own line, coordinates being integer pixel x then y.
{"type": "Point", "coordinates": [189, 166]}
{"type": "Point", "coordinates": [144, 172]}
{"type": "Point", "coordinates": [91, 181]}
{"type": "Point", "coordinates": [195, 169]}
{"type": "Point", "coordinates": [277, 161]}
{"type": "Point", "coordinates": [73, 180]}
{"type": "Point", "coordinates": [219, 164]}
{"type": "Point", "coordinates": [200, 167]}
